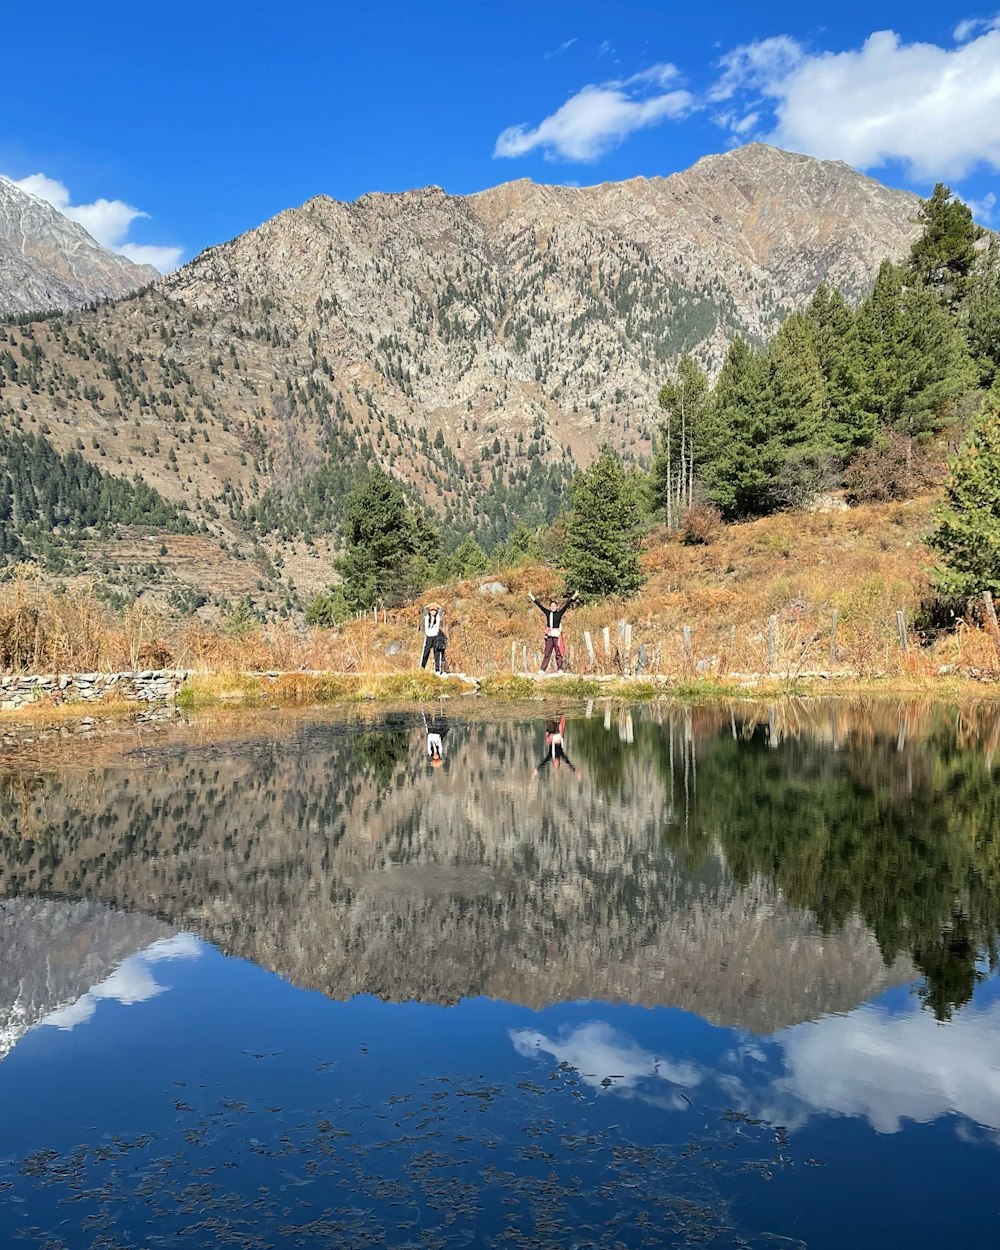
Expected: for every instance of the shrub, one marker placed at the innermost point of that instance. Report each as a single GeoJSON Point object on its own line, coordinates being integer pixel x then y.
{"type": "Point", "coordinates": [700, 524]}
{"type": "Point", "coordinates": [897, 468]}
{"type": "Point", "coordinates": [327, 608]}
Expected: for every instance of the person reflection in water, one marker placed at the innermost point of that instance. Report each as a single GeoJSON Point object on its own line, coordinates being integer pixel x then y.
{"type": "Point", "coordinates": [555, 747]}
{"type": "Point", "coordinates": [437, 728]}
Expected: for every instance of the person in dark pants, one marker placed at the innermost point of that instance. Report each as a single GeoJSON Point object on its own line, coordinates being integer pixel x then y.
{"type": "Point", "coordinates": [436, 727]}
{"type": "Point", "coordinates": [555, 747]}
{"type": "Point", "coordinates": [434, 637]}
{"type": "Point", "coordinates": [553, 630]}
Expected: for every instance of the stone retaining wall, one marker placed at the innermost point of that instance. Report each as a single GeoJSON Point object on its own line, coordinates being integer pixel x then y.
{"type": "Point", "coordinates": [147, 686]}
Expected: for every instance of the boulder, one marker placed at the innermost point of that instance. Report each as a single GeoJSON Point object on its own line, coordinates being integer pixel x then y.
{"type": "Point", "coordinates": [394, 647]}
{"type": "Point", "coordinates": [493, 589]}
{"type": "Point", "coordinates": [828, 502]}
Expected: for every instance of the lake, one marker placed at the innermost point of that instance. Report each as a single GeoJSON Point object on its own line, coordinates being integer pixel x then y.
{"type": "Point", "coordinates": [716, 975]}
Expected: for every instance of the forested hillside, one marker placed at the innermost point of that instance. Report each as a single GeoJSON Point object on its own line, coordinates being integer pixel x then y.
{"type": "Point", "coordinates": [49, 500]}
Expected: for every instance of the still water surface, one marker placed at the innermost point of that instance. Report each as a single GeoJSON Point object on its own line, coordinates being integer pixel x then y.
{"type": "Point", "coordinates": [718, 977]}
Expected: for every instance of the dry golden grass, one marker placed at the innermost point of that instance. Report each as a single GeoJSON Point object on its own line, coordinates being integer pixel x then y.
{"type": "Point", "coordinates": [863, 565]}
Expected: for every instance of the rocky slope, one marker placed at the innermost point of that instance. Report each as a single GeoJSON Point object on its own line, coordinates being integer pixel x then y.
{"type": "Point", "coordinates": [49, 262]}
{"type": "Point", "coordinates": [477, 347]}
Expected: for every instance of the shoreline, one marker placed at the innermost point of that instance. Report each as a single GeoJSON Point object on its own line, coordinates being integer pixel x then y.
{"type": "Point", "coordinates": [272, 691]}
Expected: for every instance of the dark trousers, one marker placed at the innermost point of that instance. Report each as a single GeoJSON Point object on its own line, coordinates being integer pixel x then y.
{"type": "Point", "coordinates": [552, 649]}
{"type": "Point", "coordinates": [438, 655]}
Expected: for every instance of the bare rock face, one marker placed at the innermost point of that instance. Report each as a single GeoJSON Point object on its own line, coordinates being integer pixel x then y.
{"type": "Point", "coordinates": [49, 262]}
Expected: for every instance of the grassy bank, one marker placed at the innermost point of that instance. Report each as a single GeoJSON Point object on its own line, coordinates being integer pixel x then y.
{"type": "Point", "coordinates": [796, 593]}
{"type": "Point", "coordinates": [214, 690]}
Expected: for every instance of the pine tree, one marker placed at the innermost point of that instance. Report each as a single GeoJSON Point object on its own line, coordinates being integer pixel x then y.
{"type": "Point", "coordinates": [387, 545]}
{"type": "Point", "coordinates": [943, 256]}
{"type": "Point", "coordinates": [967, 525]}
{"type": "Point", "coordinates": [468, 558]}
{"type": "Point", "coordinates": [799, 445]}
{"type": "Point", "coordinates": [737, 461]}
{"type": "Point", "coordinates": [917, 364]}
{"type": "Point", "coordinates": [603, 531]}
{"type": "Point", "coordinates": [846, 423]}
{"type": "Point", "coordinates": [683, 400]}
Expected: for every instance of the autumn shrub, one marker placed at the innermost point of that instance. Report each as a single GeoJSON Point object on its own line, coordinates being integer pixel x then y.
{"type": "Point", "coordinates": [895, 468]}
{"type": "Point", "coordinates": [701, 524]}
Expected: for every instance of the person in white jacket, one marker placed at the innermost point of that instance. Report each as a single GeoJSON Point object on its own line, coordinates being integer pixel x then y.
{"type": "Point", "coordinates": [434, 637]}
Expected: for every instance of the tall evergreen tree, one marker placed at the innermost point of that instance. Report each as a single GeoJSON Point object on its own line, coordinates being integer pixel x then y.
{"type": "Point", "coordinates": [943, 256]}
{"type": "Point", "coordinates": [796, 399]}
{"type": "Point", "coordinates": [846, 423]}
{"type": "Point", "coordinates": [916, 362]}
{"type": "Point", "coordinates": [796, 388]}
{"type": "Point", "coordinates": [603, 531]}
{"type": "Point", "coordinates": [983, 313]}
{"type": "Point", "coordinates": [387, 545]}
{"type": "Point", "coordinates": [738, 459]}
{"type": "Point", "coordinates": [967, 525]}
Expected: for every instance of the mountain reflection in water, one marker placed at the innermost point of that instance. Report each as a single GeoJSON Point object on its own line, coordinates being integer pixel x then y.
{"type": "Point", "coordinates": [770, 879]}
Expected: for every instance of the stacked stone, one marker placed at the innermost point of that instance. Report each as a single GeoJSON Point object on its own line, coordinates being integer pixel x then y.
{"type": "Point", "coordinates": [145, 686]}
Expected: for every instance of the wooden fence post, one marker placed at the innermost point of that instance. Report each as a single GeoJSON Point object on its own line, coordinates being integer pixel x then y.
{"type": "Point", "coordinates": [904, 642]}
{"type": "Point", "coordinates": [513, 655]}
{"type": "Point", "coordinates": [772, 642]}
{"type": "Point", "coordinates": [590, 648]}
{"type": "Point", "coordinates": [524, 657]}
{"type": "Point", "coordinates": [991, 620]}
{"type": "Point", "coordinates": [607, 642]}
{"type": "Point", "coordinates": [835, 617]}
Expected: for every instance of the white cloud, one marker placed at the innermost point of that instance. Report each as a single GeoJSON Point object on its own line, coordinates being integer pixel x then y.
{"type": "Point", "coordinates": [891, 1068]}
{"type": "Point", "coordinates": [935, 110]}
{"type": "Point", "coordinates": [756, 65]}
{"type": "Point", "coordinates": [163, 258]}
{"type": "Point", "coordinates": [973, 25]}
{"type": "Point", "coordinates": [599, 117]}
{"type": "Point", "coordinates": [983, 209]}
{"type": "Point", "coordinates": [598, 1053]}
{"type": "Point", "coordinates": [563, 47]}
{"type": "Point", "coordinates": [107, 221]}
{"type": "Point", "coordinates": [131, 982]}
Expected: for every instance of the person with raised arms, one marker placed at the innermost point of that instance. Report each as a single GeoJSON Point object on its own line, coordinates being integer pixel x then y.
{"type": "Point", "coordinates": [553, 630]}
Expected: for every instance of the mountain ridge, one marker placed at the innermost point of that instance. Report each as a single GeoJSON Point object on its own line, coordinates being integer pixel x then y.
{"type": "Point", "coordinates": [49, 263]}
{"type": "Point", "coordinates": [477, 347]}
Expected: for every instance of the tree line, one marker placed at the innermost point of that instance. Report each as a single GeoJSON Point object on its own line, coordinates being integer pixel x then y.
{"type": "Point", "coordinates": [43, 490]}
{"type": "Point", "coordinates": [839, 392]}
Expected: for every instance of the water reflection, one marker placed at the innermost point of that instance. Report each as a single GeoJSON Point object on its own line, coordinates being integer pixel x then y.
{"type": "Point", "coordinates": [555, 747]}
{"type": "Point", "coordinates": [759, 866]}
{"type": "Point", "coordinates": [770, 880]}
{"type": "Point", "coordinates": [436, 728]}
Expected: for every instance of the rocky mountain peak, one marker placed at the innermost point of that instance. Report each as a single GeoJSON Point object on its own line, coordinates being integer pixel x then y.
{"type": "Point", "coordinates": [478, 347]}
{"type": "Point", "coordinates": [49, 262]}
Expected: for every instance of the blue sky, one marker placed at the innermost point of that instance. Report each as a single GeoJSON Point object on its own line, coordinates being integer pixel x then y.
{"type": "Point", "coordinates": [209, 118]}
